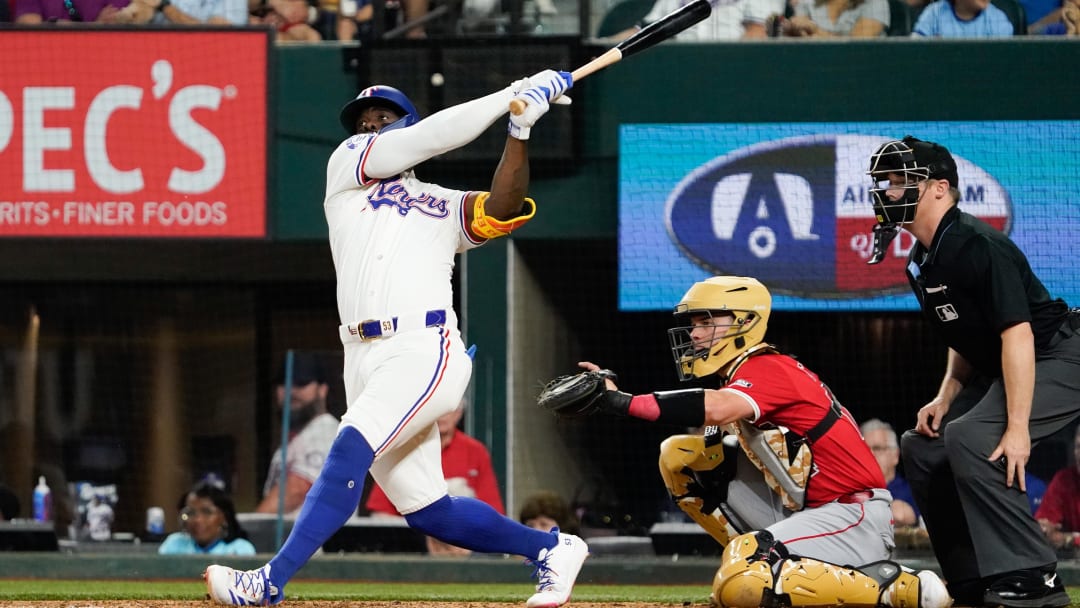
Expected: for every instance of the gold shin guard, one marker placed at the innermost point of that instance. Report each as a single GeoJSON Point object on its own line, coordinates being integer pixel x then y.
{"type": "Point", "coordinates": [755, 570]}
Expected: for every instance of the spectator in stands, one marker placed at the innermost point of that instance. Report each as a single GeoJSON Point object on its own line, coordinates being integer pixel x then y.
{"type": "Point", "coordinates": [883, 441]}
{"type": "Point", "coordinates": [326, 18]}
{"type": "Point", "coordinates": [355, 22]}
{"type": "Point", "coordinates": [312, 430]}
{"type": "Point", "coordinates": [1043, 15]}
{"type": "Point", "coordinates": [1070, 14]}
{"type": "Point", "coordinates": [1059, 513]}
{"type": "Point", "coordinates": [846, 18]}
{"type": "Point", "coordinates": [738, 19]}
{"type": "Point", "coordinates": [74, 11]}
{"type": "Point", "coordinates": [414, 10]}
{"type": "Point", "coordinates": [545, 510]}
{"type": "Point", "coordinates": [187, 12]}
{"type": "Point", "coordinates": [289, 18]}
{"type": "Point", "coordinates": [962, 19]}
{"type": "Point", "coordinates": [208, 525]}
{"type": "Point", "coordinates": [344, 19]}
{"type": "Point", "coordinates": [467, 469]}
{"type": "Point", "coordinates": [1062, 20]}
{"type": "Point", "coordinates": [9, 504]}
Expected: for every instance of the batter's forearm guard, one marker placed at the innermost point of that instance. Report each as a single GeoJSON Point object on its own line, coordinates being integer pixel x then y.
{"type": "Point", "coordinates": [489, 227]}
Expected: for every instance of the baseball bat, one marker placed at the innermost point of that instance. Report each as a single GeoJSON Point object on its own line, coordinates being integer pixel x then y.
{"type": "Point", "coordinates": [656, 32]}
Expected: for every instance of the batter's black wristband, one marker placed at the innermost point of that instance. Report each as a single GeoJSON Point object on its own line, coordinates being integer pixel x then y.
{"type": "Point", "coordinates": [681, 408]}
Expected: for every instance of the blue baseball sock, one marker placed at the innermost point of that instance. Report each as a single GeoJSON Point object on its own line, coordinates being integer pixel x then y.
{"type": "Point", "coordinates": [329, 504]}
{"type": "Point", "coordinates": [472, 524]}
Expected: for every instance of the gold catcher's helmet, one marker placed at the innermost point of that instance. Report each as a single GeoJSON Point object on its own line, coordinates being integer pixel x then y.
{"type": "Point", "coordinates": [744, 297]}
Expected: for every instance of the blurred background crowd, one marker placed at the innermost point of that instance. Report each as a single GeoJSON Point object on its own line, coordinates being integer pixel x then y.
{"type": "Point", "coordinates": [309, 21]}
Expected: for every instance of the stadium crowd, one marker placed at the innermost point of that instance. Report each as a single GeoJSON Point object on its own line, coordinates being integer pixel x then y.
{"type": "Point", "coordinates": [310, 21]}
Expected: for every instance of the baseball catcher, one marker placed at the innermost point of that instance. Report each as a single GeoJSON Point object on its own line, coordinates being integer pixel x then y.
{"type": "Point", "coordinates": [798, 498]}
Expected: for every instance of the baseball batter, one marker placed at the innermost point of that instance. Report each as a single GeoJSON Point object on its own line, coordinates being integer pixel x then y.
{"type": "Point", "coordinates": [805, 445]}
{"type": "Point", "coordinates": [393, 238]}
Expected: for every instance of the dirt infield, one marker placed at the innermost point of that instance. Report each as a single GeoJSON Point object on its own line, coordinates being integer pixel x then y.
{"type": "Point", "coordinates": [319, 604]}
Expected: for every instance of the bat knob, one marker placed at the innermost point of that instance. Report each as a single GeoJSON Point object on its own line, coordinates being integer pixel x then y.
{"type": "Point", "coordinates": [517, 106]}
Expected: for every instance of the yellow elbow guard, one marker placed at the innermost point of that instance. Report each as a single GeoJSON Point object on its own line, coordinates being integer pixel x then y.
{"type": "Point", "coordinates": [489, 227]}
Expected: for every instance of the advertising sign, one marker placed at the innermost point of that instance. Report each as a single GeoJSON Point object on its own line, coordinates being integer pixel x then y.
{"type": "Point", "coordinates": [790, 205]}
{"type": "Point", "coordinates": [134, 134]}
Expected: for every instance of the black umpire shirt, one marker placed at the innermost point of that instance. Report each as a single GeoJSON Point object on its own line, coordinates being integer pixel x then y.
{"type": "Point", "coordinates": [973, 283]}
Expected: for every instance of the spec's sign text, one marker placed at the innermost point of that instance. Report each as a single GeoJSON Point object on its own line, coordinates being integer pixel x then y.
{"type": "Point", "coordinates": [161, 139]}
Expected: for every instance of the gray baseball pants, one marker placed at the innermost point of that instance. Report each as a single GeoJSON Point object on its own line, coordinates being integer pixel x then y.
{"type": "Point", "coordinates": [979, 527]}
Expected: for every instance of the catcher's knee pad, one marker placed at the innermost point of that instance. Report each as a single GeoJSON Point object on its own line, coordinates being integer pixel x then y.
{"type": "Point", "coordinates": [680, 456]}
{"type": "Point", "coordinates": [745, 578]}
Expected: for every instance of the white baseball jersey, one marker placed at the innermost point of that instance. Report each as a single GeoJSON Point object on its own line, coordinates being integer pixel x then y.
{"type": "Point", "coordinates": [393, 242]}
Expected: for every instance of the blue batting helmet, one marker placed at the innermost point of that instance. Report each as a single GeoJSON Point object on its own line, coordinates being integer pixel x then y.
{"type": "Point", "coordinates": [379, 95]}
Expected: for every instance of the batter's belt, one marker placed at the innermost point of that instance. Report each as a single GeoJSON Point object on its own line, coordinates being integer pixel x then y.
{"type": "Point", "coordinates": [373, 329]}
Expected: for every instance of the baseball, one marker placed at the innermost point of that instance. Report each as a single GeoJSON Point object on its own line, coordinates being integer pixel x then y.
{"type": "Point", "coordinates": [437, 79]}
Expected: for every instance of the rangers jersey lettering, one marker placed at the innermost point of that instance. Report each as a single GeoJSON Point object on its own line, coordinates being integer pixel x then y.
{"type": "Point", "coordinates": [385, 231]}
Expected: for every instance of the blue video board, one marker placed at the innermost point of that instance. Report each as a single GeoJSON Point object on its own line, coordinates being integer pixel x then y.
{"type": "Point", "coordinates": [788, 203]}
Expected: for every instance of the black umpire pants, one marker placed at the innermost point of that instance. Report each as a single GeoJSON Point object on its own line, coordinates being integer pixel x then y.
{"type": "Point", "coordinates": [979, 527]}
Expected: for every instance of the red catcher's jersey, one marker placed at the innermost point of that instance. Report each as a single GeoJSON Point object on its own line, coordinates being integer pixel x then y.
{"type": "Point", "coordinates": [785, 393]}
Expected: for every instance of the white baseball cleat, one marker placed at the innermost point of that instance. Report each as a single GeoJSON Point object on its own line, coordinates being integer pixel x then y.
{"type": "Point", "coordinates": [556, 570]}
{"type": "Point", "coordinates": [241, 587]}
{"type": "Point", "coordinates": [932, 592]}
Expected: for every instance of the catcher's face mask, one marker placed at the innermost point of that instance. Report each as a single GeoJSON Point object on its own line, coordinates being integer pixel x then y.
{"type": "Point", "coordinates": [716, 321]}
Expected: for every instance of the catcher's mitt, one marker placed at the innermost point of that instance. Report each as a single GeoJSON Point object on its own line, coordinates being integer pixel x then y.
{"type": "Point", "coordinates": [574, 396]}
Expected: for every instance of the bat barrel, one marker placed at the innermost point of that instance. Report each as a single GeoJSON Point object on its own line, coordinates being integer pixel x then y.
{"type": "Point", "coordinates": [667, 27]}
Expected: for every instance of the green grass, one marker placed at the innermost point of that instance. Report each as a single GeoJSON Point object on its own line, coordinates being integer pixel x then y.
{"type": "Point", "coordinates": [27, 590]}
{"type": "Point", "coordinates": [30, 590]}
